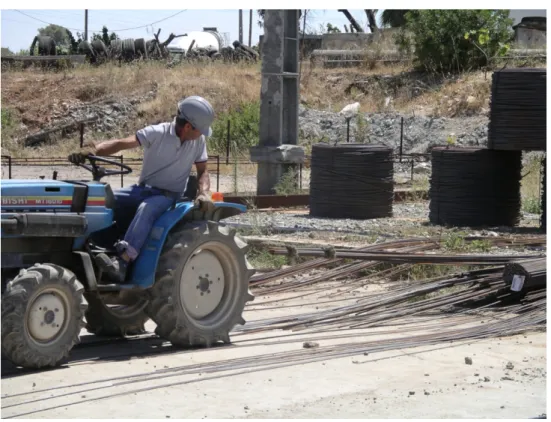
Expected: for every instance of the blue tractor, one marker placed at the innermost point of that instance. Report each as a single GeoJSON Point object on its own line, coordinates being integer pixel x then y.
{"type": "Point", "coordinates": [191, 278]}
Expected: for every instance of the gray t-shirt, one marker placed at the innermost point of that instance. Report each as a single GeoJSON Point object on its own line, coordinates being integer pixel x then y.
{"type": "Point", "coordinates": [167, 161]}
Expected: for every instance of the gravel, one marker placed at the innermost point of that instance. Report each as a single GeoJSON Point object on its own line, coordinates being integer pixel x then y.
{"type": "Point", "coordinates": [420, 132]}
{"type": "Point", "coordinates": [408, 218]}
{"type": "Point", "coordinates": [107, 116]}
{"type": "Point", "coordinates": [303, 222]}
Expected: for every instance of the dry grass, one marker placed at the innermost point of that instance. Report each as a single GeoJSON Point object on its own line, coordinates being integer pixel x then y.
{"type": "Point", "coordinates": [530, 188]}
{"type": "Point", "coordinates": [31, 98]}
{"type": "Point", "coordinates": [36, 95]}
{"type": "Point", "coordinates": [466, 96]}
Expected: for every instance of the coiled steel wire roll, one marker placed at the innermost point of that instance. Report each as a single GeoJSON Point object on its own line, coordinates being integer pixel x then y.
{"type": "Point", "coordinates": [351, 181]}
{"type": "Point", "coordinates": [543, 189]}
{"type": "Point", "coordinates": [518, 109]}
{"type": "Point", "coordinates": [475, 187]}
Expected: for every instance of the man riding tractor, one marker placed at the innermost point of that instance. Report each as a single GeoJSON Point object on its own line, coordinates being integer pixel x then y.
{"type": "Point", "coordinates": [170, 149]}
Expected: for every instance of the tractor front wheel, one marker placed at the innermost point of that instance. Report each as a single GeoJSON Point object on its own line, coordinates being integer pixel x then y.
{"type": "Point", "coordinates": [42, 315]}
{"type": "Point", "coordinates": [202, 285]}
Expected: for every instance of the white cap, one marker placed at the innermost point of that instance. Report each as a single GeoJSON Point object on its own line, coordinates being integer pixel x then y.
{"type": "Point", "coordinates": [198, 112]}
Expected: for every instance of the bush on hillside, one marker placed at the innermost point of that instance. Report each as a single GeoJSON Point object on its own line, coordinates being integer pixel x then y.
{"type": "Point", "coordinates": [244, 127]}
{"type": "Point", "coordinates": [455, 40]}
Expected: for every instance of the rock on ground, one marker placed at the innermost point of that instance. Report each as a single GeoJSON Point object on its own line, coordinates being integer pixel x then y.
{"type": "Point", "coordinates": [420, 132]}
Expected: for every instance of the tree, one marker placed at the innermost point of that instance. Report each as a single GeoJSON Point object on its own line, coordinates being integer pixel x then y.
{"type": "Point", "coordinates": [332, 29]}
{"type": "Point", "coordinates": [105, 37]}
{"type": "Point", "coordinates": [371, 21]}
{"type": "Point", "coordinates": [73, 43]}
{"type": "Point", "coordinates": [58, 33]}
{"type": "Point", "coordinates": [6, 52]}
{"type": "Point", "coordinates": [393, 18]}
{"type": "Point", "coordinates": [444, 40]}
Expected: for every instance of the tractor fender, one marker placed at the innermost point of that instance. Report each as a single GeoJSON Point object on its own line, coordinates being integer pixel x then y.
{"type": "Point", "coordinates": [143, 270]}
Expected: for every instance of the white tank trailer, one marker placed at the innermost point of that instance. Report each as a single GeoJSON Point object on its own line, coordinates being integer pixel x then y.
{"type": "Point", "coordinates": [208, 39]}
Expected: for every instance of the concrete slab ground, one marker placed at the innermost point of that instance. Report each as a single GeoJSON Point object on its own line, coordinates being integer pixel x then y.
{"type": "Point", "coordinates": [507, 379]}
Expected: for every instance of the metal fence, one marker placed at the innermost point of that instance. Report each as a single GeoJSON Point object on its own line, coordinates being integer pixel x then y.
{"type": "Point", "coordinates": [9, 164]}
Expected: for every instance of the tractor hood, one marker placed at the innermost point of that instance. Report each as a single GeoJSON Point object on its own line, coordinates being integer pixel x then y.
{"type": "Point", "coordinates": [36, 194]}
{"type": "Point", "coordinates": [14, 183]}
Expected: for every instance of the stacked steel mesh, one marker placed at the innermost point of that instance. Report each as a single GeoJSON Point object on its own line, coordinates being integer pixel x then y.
{"type": "Point", "coordinates": [543, 189]}
{"type": "Point", "coordinates": [518, 110]}
{"type": "Point", "coordinates": [351, 181]}
{"type": "Point", "coordinates": [475, 187]}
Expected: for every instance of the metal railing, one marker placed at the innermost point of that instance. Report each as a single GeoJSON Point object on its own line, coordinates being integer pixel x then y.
{"type": "Point", "coordinates": [63, 162]}
{"type": "Point", "coordinates": [215, 162]}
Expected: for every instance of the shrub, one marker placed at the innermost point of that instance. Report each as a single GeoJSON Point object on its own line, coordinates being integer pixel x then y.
{"type": "Point", "coordinates": [8, 122]}
{"type": "Point", "coordinates": [455, 40]}
{"type": "Point", "coordinates": [244, 128]}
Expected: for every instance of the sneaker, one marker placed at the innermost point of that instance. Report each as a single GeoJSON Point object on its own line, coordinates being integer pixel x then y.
{"type": "Point", "coordinates": [115, 267]}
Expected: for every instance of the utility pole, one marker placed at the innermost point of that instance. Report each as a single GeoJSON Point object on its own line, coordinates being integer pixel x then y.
{"type": "Point", "coordinates": [241, 26]}
{"type": "Point", "coordinates": [85, 24]}
{"type": "Point", "coordinates": [278, 150]}
{"type": "Point", "coordinates": [250, 27]}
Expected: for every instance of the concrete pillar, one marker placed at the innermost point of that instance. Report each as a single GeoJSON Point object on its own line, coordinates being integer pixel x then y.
{"type": "Point", "coordinates": [279, 100]}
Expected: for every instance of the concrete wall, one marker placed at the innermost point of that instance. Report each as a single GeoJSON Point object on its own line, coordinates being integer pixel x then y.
{"type": "Point", "coordinates": [356, 40]}
{"type": "Point", "coordinates": [530, 38]}
{"type": "Point", "coordinates": [531, 32]}
{"type": "Point", "coordinates": [307, 44]}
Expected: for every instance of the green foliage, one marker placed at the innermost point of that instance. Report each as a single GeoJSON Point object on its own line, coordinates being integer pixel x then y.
{"type": "Point", "coordinates": [105, 36]}
{"type": "Point", "coordinates": [244, 126]}
{"type": "Point", "coordinates": [451, 139]}
{"type": "Point", "coordinates": [288, 184]}
{"type": "Point", "coordinates": [531, 185]}
{"type": "Point", "coordinates": [362, 127]}
{"type": "Point", "coordinates": [531, 205]}
{"type": "Point", "coordinates": [8, 123]}
{"type": "Point", "coordinates": [393, 18]}
{"type": "Point", "coordinates": [455, 242]}
{"type": "Point", "coordinates": [332, 29]}
{"type": "Point", "coordinates": [262, 258]}
{"type": "Point", "coordinates": [6, 52]}
{"type": "Point", "coordinates": [455, 40]}
{"type": "Point", "coordinates": [58, 33]}
{"type": "Point", "coordinates": [73, 43]}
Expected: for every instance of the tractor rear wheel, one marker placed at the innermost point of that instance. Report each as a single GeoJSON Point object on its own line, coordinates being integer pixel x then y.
{"type": "Point", "coordinates": [202, 285]}
{"type": "Point", "coordinates": [42, 315]}
{"type": "Point", "coordinates": [116, 321]}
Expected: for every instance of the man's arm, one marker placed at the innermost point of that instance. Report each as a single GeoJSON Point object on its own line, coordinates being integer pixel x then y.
{"type": "Point", "coordinates": [203, 178]}
{"type": "Point", "coordinates": [116, 145]}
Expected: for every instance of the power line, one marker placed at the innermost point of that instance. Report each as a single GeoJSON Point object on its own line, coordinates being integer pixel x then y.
{"type": "Point", "coordinates": [99, 30]}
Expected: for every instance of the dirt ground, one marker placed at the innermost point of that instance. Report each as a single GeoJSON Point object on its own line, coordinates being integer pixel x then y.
{"type": "Point", "coordinates": [271, 374]}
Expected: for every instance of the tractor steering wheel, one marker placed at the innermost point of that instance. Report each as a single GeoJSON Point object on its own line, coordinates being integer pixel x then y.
{"type": "Point", "coordinates": [98, 171]}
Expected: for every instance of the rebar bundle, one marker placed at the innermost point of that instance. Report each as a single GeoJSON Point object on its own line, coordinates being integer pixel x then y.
{"type": "Point", "coordinates": [518, 110]}
{"type": "Point", "coordinates": [533, 271]}
{"type": "Point", "coordinates": [351, 181]}
{"type": "Point", "coordinates": [475, 187]}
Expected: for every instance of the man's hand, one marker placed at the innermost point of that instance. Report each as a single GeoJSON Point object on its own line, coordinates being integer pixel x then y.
{"type": "Point", "coordinates": [204, 202]}
{"type": "Point", "coordinates": [105, 148]}
{"type": "Point", "coordinates": [79, 157]}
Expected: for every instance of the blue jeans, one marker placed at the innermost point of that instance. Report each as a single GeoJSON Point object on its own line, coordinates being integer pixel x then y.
{"type": "Point", "coordinates": [146, 205]}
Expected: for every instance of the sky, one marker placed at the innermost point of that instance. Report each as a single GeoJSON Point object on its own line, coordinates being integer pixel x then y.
{"type": "Point", "coordinates": [18, 27]}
